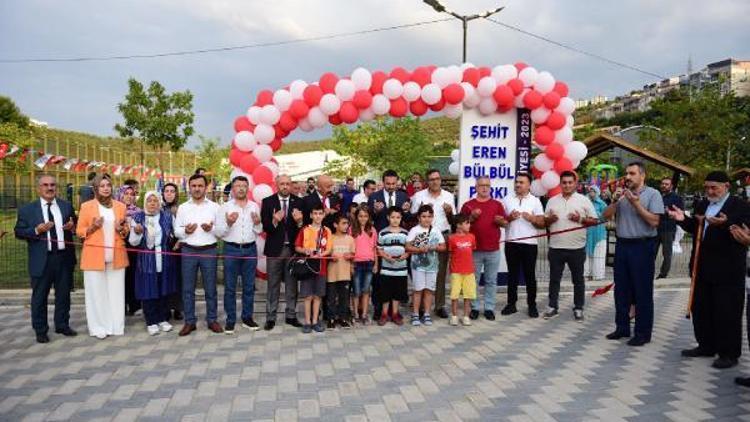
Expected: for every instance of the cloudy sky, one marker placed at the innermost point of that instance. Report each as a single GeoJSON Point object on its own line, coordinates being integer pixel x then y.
{"type": "Point", "coordinates": [654, 36]}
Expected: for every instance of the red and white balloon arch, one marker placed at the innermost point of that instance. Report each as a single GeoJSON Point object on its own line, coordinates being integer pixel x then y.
{"type": "Point", "coordinates": [364, 95]}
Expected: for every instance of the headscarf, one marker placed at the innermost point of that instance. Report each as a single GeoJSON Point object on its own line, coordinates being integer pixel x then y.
{"type": "Point", "coordinates": [130, 209]}
{"type": "Point", "coordinates": [106, 202]}
{"type": "Point", "coordinates": [596, 234]}
{"type": "Point", "coordinates": [145, 198]}
{"type": "Point", "coordinates": [171, 205]}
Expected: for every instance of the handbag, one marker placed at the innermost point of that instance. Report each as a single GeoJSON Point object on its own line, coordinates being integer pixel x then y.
{"type": "Point", "coordinates": [304, 267]}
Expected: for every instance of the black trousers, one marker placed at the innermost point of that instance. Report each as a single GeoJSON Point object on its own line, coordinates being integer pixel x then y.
{"type": "Point", "coordinates": [175, 299]}
{"type": "Point", "coordinates": [156, 310]}
{"type": "Point", "coordinates": [131, 303]}
{"type": "Point", "coordinates": [521, 257]}
{"type": "Point", "coordinates": [717, 316]}
{"type": "Point", "coordinates": [58, 274]}
{"type": "Point", "coordinates": [337, 299]}
{"type": "Point", "coordinates": [575, 258]}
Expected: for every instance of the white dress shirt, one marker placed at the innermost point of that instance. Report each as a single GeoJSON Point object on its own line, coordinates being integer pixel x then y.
{"type": "Point", "coordinates": [243, 230]}
{"type": "Point", "coordinates": [192, 212]}
{"type": "Point", "coordinates": [520, 227]}
{"type": "Point", "coordinates": [59, 223]}
{"type": "Point", "coordinates": [360, 198]}
{"type": "Point", "coordinates": [423, 197]}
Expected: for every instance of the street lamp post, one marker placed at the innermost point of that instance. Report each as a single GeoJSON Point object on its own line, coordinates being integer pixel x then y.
{"type": "Point", "coordinates": [465, 19]}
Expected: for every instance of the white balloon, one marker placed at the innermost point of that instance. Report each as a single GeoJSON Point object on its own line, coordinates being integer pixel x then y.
{"type": "Point", "coordinates": [453, 168]}
{"type": "Point", "coordinates": [537, 189]}
{"type": "Point", "coordinates": [465, 66]}
{"type": "Point", "coordinates": [362, 78]}
{"type": "Point", "coordinates": [564, 136]}
{"type": "Point", "coordinates": [542, 163]}
{"type": "Point", "coordinates": [540, 115]}
{"type": "Point", "coordinates": [253, 114]}
{"type": "Point", "coordinates": [236, 171]}
{"type": "Point", "coordinates": [392, 89]}
{"type": "Point", "coordinates": [486, 86]}
{"type": "Point", "coordinates": [367, 114]}
{"type": "Point", "coordinates": [329, 104]}
{"type": "Point", "coordinates": [567, 106]}
{"type": "Point", "coordinates": [455, 154]}
{"type": "Point", "coordinates": [544, 82]}
{"type": "Point", "coordinates": [487, 106]}
{"type": "Point", "coordinates": [263, 153]}
{"type": "Point", "coordinates": [453, 111]}
{"type": "Point", "coordinates": [272, 166]}
{"type": "Point", "coordinates": [380, 104]}
{"type": "Point", "coordinates": [297, 88]}
{"type": "Point", "coordinates": [569, 121]}
{"type": "Point", "coordinates": [244, 141]}
{"type": "Point", "coordinates": [504, 73]}
{"type": "Point", "coordinates": [576, 151]}
{"type": "Point", "coordinates": [345, 89]}
{"type": "Point", "coordinates": [412, 91]}
{"type": "Point", "coordinates": [518, 101]}
{"type": "Point", "coordinates": [316, 117]}
{"type": "Point", "coordinates": [471, 97]}
{"type": "Point", "coordinates": [270, 115]}
{"type": "Point", "coordinates": [431, 94]}
{"type": "Point", "coordinates": [455, 74]}
{"type": "Point", "coordinates": [550, 179]}
{"type": "Point", "coordinates": [282, 99]}
{"type": "Point", "coordinates": [264, 134]}
{"type": "Point", "coordinates": [441, 77]}
{"type": "Point", "coordinates": [262, 191]}
{"type": "Point", "coordinates": [528, 76]}
{"type": "Point", "coordinates": [305, 125]}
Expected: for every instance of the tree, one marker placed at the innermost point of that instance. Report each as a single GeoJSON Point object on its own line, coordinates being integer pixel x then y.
{"type": "Point", "coordinates": [382, 144]}
{"type": "Point", "coordinates": [212, 157]}
{"type": "Point", "coordinates": [10, 113]}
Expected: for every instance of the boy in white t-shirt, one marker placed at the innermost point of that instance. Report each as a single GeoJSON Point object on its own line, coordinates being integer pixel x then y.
{"type": "Point", "coordinates": [423, 243]}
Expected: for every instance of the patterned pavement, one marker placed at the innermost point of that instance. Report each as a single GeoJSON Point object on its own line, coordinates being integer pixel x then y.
{"type": "Point", "coordinates": [513, 369]}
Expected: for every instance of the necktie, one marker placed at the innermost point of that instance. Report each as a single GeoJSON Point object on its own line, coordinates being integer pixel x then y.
{"type": "Point", "coordinates": [285, 209]}
{"type": "Point", "coordinates": [53, 231]}
{"type": "Point", "coordinates": [390, 199]}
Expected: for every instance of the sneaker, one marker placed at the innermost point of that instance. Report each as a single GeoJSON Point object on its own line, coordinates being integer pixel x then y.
{"type": "Point", "coordinates": [344, 323]}
{"type": "Point", "coordinates": [466, 321]}
{"type": "Point", "coordinates": [550, 313]}
{"type": "Point", "coordinates": [383, 320]}
{"type": "Point", "coordinates": [331, 325]}
{"type": "Point", "coordinates": [509, 309]}
{"type": "Point", "coordinates": [454, 320]}
{"type": "Point", "coordinates": [229, 328]}
{"type": "Point", "coordinates": [415, 320]}
{"type": "Point", "coordinates": [153, 330]}
{"type": "Point", "coordinates": [398, 319]}
{"type": "Point", "coordinates": [165, 326]}
{"type": "Point", "coordinates": [250, 324]}
{"type": "Point", "coordinates": [578, 315]}
{"type": "Point", "coordinates": [488, 315]}
{"type": "Point", "coordinates": [318, 327]}
{"type": "Point", "coordinates": [365, 321]}
{"type": "Point", "coordinates": [426, 320]}
{"type": "Point", "coordinates": [306, 328]}
{"type": "Point", "coordinates": [442, 313]}
{"type": "Point", "coordinates": [474, 314]}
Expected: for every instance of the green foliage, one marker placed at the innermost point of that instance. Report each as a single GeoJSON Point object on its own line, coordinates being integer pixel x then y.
{"type": "Point", "coordinates": [22, 137]}
{"type": "Point", "coordinates": [156, 117]}
{"type": "Point", "coordinates": [293, 147]}
{"type": "Point", "coordinates": [10, 113]}
{"type": "Point", "coordinates": [213, 158]}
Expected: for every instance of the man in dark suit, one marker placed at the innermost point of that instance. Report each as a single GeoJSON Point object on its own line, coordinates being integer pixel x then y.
{"type": "Point", "coordinates": [719, 295]}
{"type": "Point", "coordinates": [281, 216]}
{"type": "Point", "coordinates": [46, 224]}
{"type": "Point", "coordinates": [322, 195]}
{"type": "Point", "coordinates": [389, 196]}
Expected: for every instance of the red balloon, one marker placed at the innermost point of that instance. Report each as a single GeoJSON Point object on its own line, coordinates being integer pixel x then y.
{"type": "Point", "coordinates": [262, 175]}
{"type": "Point", "coordinates": [398, 107]}
{"type": "Point", "coordinates": [280, 132]}
{"type": "Point", "coordinates": [563, 164]}
{"type": "Point", "coordinates": [248, 163]}
{"type": "Point", "coordinates": [349, 113]}
{"type": "Point", "coordinates": [299, 109]}
{"type": "Point", "coordinates": [287, 122]}
{"type": "Point", "coordinates": [241, 123]}
{"type": "Point", "coordinates": [484, 71]}
{"type": "Point", "coordinates": [561, 88]}
{"type": "Point", "coordinates": [422, 76]}
{"type": "Point", "coordinates": [556, 121]}
{"type": "Point", "coordinates": [503, 95]}
{"type": "Point", "coordinates": [520, 66]}
{"type": "Point", "coordinates": [362, 99]}
{"type": "Point", "coordinates": [438, 105]}
{"type": "Point", "coordinates": [235, 156]}
{"type": "Point", "coordinates": [516, 85]}
{"type": "Point", "coordinates": [334, 119]}
{"type": "Point", "coordinates": [554, 151]}
{"type": "Point", "coordinates": [536, 172]}
{"type": "Point", "coordinates": [551, 100]}
{"type": "Point", "coordinates": [264, 97]}
{"type": "Point", "coordinates": [418, 107]}
{"type": "Point", "coordinates": [312, 94]}
{"type": "Point", "coordinates": [401, 74]}
{"type": "Point", "coordinates": [276, 144]}
{"type": "Point", "coordinates": [453, 94]}
{"type": "Point", "coordinates": [504, 108]}
{"type": "Point", "coordinates": [532, 100]}
{"type": "Point", "coordinates": [544, 135]}
{"type": "Point", "coordinates": [327, 82]}
{"type": "Point", "coordinates": [554, 191]}
{"type": "Point", "coordinates": [471, 75]}
{"type": "Point", "coordinates": [378, 79]}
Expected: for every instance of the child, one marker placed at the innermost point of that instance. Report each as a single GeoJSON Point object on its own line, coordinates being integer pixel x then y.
{"type": "Point", "coordinates": [365, 264]}
{"type": "Point", "coordinates": [340, 274]}
{"type": "Point", "coordinates": [423, 243]}
{"type": "Point", "coordinates": [393, 268]}
{"type": "Point", "coordinates": [463, 281]}
{"type": "Point", "coordinates": [314, 240]}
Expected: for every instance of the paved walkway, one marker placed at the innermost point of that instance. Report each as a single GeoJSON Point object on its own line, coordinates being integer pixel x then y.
{"type": "Point", "coordinates": [512, 369]}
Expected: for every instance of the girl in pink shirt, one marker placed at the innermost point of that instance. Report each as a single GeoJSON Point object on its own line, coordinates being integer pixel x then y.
{"type": "Point", "coordinates": [365, 263]}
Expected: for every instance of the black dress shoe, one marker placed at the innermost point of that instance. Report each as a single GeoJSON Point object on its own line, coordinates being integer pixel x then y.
{"type": "Point", "coordinates": [489, 315]}
{"type": "Point", "coordinates": [294, 322]}
{"type": "Point", "coordinates": [442, 313]}
{"type": "Point", "coordinates": [177, 315]}
{"type": "Point", "coordinates": [509, 310]}
{"type": "Point", "coordinates": [269, 325]}
{"type": "Point", "coordinates": [661, 276]}
{"type": "Point", "coordinates": [743, 381]}
{"type": "Point", "coordinates": [724, 363]}
{"type": "Point", "coordinates": [67, 331]}
{"type": "Point", "coordinates": [42, 338]}
{"type": "Point", "coordinates": [474, 314]}
{"type": "Point", "coordinates": [638, 341]}
{"type": "Point", "coordinates": [616, 335]}
{"type": "Point", "coordinates": [696, 353]}
{"type": "Point", "coordinates": [533, 312]}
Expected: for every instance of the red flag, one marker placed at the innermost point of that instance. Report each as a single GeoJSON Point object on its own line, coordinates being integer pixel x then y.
{"type": "Point", "coordinates": [602, 290]}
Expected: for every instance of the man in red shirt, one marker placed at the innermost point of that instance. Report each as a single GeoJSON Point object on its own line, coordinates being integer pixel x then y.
{"type": "Point", "coordinates": [487, 216]}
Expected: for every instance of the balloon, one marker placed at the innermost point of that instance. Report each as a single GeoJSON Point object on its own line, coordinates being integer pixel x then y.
{"type": "Point", "coordinates": [556, 120]}
{"type": "Point", "coordinates": [543, 135]}
{"type": "Point", "coordinates": [421, 76]}
{"type": "Point", "coordinates": [262, 175]}
{"type": "Point", "coordinates": [330, 104]}
{"type": "Point", "coordinates": [393, 88]}
{"type": "Point", "coordinates": [563, 164]}
{"type": "Point", "coordinates": [544, 83]}
{"type": "Point", "coordinates": [453, 111]}
{"type": "Point", "coordinates": [438, 105]}
{"type": "Point", "coordinates": [471, 75]}
{"type": "Point", "coordinates": [380, 104]}
{"type": "Point", "coordinates": [334, 119]}
{"type": "Point", "coordinates": [236, 171]}
{"type": "Point", "coordinates": [366, 114]}
{"type": "Point", "coordinates": [504, 73]}
{"type": "Point", "coordinates": [244, 141]}
{"type": "Point", "coordinates": [471, 98]}
{"type": "Point", "coordinates": [528, 76]}
{"type": "Point", "coordinates": [455, 74]}
{"type": "Point", "coordinates": [282, 99]}
{"type": "Point", "coordinates": [576, 151]}
{"type": "Point", "coordinates": [453, 94]}
{"type": "Point", "coordinates": [264, 97]}
{"type": "Point", "coordinates": [532, 100]}
{"type": "Point", "coordinates": [235, 156]}
{"type": "Point", "coordinates": [455, 154]}
{"type": "Point", "coordinates": [431, 94]}
{"type": "Point", "coordinates": [327, 82]}
{"type": "Point", "coordinates": [280, 132]}
{"type": "Point", "coordinates": [378, 79]}
{"type": "Point", "coordinates": [487, 106]}
{"type": "Point", "coordinates": [441, 77]}
{"type": "Point", "coordinates": [520, 66]}
{"type": "Point", "coordinates": [362, 99]}
{"type": "Point", "coordinates": [269, 115]}
{"type": "Point", "coordinates": [540, 115]}
{"type": "Point", "coordinates": [567, 106]}
{"type": "Point", "coordinates": [418, 107]}
{"type": "Point", "coordinates": [273, 166]}
{"type": "Point", "coordinates": [554, 191]}
{"type": "Point", "coordinates": [484, 71]}
{"type": "Point", "coordinates": [348, 112]}
{"type": "Point", "coordinates": [453, 168]}
{"type": "Point", "coordinates": [516, 85]}
{"type": "Point", "coordinates": [264, 133]}
{"type": "Point", "coordinates": [398, 107]}
{"type": "Point", "coordinates": [543, 163]}
{"type": "Point", "coordinates": [253, 114]}
{"type": "Point", "coordinates": [486, 86]}
{"type": "Point", "coordinates": [299, 109]}
{"type": "Point", "coordinates": [316, 117]}
{"type": "Point", "coordinates": [297, 88]}
{"type": "Point", "coordinates": [550, 179]}
{"type": "Point", "coordinates": [362, 78]}
{"type": "Point", "coordinates": [551, 100]}
{"type": "Point", "coordinates": [305, 125]}
{"type": "Point", "coordinates": [536, 172]}
{"type": "Point", "coordinates": [412, 91]}
{"type": "Point", "coordinates": [561, 88]}
{"type": "Point", "coordinates": [241, 123]}
{"type": "Point", "coordinates": [345, 89]}
{"type": "Point", "coordinates": [503, 95]}
{"type": "Point", "coordinates": [569, 121]}
{"type": "Point", "coordinates": [287, 122]}
{"type": "Point", "coordinates": [564, 136]}
{"type": "Point", "coordinates": [554, 151]}
{"type": "Point", "coordinates": [261, 191]}
{"type": "Point", "coordinates": [263, 153]}
{"type": "Point", "coordinates": [537, 189]}
{"type": "Point", "coordinates": [312, 95]}
{"type": "Point", "coordinates": [248, 163]}
{"type": "Point", "coordinates": [275, 146]}
{"type": "Point", "coordinates": [400, 73]}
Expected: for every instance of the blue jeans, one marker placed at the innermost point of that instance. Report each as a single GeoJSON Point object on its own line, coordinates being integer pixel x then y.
{"type": "Point", "coordinates": [207, 266]}
{"type": "Point", "coordinates": [634, 283]}
{"type": "Point", "coordinates": [362, 277]}
{"type": "Point", "coordinates": [487, 262]}
{"type": "Point", "coordinates": [244, 268]}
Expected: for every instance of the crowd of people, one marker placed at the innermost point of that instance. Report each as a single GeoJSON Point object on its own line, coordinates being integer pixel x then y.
{"type": "Point", "coordinates": [352, 256]}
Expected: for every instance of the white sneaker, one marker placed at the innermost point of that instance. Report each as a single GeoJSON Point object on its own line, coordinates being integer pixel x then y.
{"type": "Point", "coordinates": [454, 320]}
{"type": "Point", "coordinates": [165, 326]}
{"type": "Point", "coordinates": [466, 321]}
{"type": "Point", "coordinates": [152, 330]}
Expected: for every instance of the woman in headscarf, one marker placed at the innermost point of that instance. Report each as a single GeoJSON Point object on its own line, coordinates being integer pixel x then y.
{"type": "Point", "coordinates": [171, 201]}
{"type": "Point", "coordinates": [596, 245]}
{"type": "Point", "coordinates": [126, 195]}
{"type": "Point", "coordinates": [103, 227]}
{"type": "Point", "coordinates": [155, 273]}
